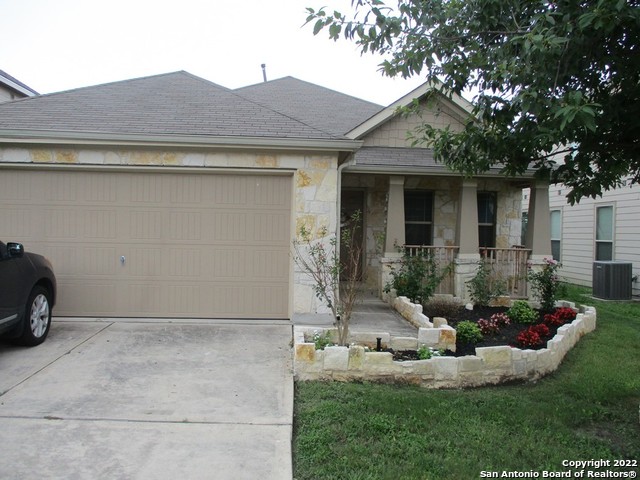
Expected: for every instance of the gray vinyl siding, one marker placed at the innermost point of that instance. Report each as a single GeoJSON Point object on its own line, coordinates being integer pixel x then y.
{"type": "Point", "coordinates": [578, 231]}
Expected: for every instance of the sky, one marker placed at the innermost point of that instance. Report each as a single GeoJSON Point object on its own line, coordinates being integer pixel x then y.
{"type": "Point", "coordinates": [56, 45]}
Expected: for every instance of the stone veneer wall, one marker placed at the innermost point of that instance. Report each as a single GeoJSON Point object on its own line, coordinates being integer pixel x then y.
{"type": "Point", "coordinates": [490, 365]}
{"type": "Point", "coordinates": [315, 183]}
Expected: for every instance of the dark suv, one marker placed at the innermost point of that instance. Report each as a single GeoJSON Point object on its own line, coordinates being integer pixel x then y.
{"type": "Point", "coordinates": [27, 295]}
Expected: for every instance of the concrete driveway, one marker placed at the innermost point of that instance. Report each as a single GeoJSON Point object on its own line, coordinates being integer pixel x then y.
{"type": "Point", "coordinates": [142, 400]}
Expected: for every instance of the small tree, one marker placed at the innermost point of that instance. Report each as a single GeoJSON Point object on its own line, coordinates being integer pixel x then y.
{"type": "Point", "coordinates": [545, 283]}
{"type": "Point", "coordinates": [485, 285]}
{"type": "Point", "coordinates": [321, 261]}
{"type": "Point", "coordinates": [418, 276]}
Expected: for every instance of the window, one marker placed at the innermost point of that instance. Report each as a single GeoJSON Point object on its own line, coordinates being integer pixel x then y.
{"type": "Point", "coordinates": [487, 219]}
{"type": "Point", "coordinates": [556, 233]}
{"type": "Point", "coordinates": [604, 233]}
{"type": "Point", "coordinates": [523, 231]}
{"type": "Point", "coordinates": [418, 217]}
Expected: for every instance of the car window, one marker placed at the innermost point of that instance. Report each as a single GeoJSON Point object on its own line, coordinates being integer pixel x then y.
{"type": "Point", "coordinates": [3, 251]}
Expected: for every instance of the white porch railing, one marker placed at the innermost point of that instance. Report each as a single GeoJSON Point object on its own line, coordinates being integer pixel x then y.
{"type": "Point", "coordinates": [443, 257]}
{"type": "Point", "coordinates": [510, 265]}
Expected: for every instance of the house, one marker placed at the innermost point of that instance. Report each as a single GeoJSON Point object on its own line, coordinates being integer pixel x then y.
{"type": "Point", "coordinates": [601, 229]}
{"type": "Point", "coordinates": [12, 88]}
{"type": "Point", "coordinates": [171, 196]}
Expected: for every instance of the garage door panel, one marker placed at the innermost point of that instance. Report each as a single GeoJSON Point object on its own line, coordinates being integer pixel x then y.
{"type": "Point", "coordinates": [86, 298]}
{"type": "Point", "coordinates": [195, 245]}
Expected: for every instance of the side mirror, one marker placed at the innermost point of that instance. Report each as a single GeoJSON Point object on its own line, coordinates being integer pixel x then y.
{"type": "Point", "coordinates": [15, 250]}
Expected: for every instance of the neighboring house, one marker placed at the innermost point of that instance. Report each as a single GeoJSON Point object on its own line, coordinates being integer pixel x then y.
{"type": "Point", "coordinates": [171, 196]}
{"type": "Point", "coordinates": [602, 229]}
{"type": "Point", "coordinates": [11, 88]}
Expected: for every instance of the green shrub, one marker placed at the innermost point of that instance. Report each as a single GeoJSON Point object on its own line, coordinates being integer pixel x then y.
{"type": "Point", "coordinates": [425, 353]}
{"type": "Point", "coordinates": [521, 312]}
{"type": "Point", "coordinates": [468, 332]}
{"type": "Point", "coordinates": [485, 285]}
{"type": "Point", "coordinates": [322, 340]}
{"type": "Point", "coordinates": [417, 278]}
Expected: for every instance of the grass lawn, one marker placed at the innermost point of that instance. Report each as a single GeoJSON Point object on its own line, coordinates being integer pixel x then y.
{"type": "Point", "coordinates": [588, 409]}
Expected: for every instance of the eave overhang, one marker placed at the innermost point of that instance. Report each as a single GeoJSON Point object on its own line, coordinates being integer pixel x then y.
{"type": "Point", "coordinates": [184, 141]}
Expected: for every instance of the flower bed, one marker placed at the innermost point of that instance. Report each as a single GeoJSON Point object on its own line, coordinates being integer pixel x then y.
{"type": "Point", "coordinates": [490, 365]}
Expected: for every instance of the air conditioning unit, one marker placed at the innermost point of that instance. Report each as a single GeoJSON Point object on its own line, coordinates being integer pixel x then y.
{"type": "Point", "coordinates": [612, 280]}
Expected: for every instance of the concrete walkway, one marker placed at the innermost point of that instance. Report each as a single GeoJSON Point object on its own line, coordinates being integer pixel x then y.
{"type": "Point", "coordinates": [134, 400]}
{"type": "Point", "coordinates": [369, 315]}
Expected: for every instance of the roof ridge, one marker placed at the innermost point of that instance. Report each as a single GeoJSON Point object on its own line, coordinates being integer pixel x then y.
{"type": "Point", "coordinates": [313, 85]}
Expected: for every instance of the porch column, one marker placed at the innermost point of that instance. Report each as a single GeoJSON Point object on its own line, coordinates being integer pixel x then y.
{"type": "Point", "coordinates": [395, 217]}
{"type": "Point", "coordinates": [394, 234]}
{"type": "Point", "coordinates": [467, 226]}
{"type": "Point", "coordinates": [466, 262]}
{"type": "Point", "coordinates": [538, 237]}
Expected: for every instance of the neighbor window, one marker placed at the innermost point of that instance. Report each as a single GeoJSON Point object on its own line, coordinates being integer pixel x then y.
{"type": "Point", "coordinates": [604, 233]}
{"type": "Point", "coordinates": [487, 219]}
{"type": "Point", "coordinates": [418, 217]}
{"type": "Point", "coordinates": [556, 233]}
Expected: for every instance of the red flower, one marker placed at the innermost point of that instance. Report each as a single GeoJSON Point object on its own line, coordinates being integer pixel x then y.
{"type": "Point", "coordinates": [529, 338]}
{"type": "Point", "coordinates": [541, 329]}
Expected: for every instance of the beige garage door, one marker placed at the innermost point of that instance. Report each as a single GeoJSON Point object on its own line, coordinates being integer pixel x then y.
{"type": "Point", "coordinates": [156, 244]}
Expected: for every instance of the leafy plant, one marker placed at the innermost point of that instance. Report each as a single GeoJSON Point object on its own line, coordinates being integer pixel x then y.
{"type": "Point", "coordinates": [418, 276]}
{"type": "Point", "coordinates": [494, 324]}
{"type": "Point", "coordinates": [320, 259]}
{"type": "Point", "coordinates": [485, 285]}
{"type": "Point", "coordinates": [468, 332]}
{"type": "Point", "coordinates": [541, 329]}
{"type": "Point", "coordinates": [321, 340]}
{"type": "Point", "coordinates": [521, 312]}
{"type": "Point", "coordinates": [545, 284]}
{"type": "Point", "coordinates": [529, 339]}
{"type": "Point", "coordinates": [425, 353]}
{"type": "Point", "coordinates": [559, 317]}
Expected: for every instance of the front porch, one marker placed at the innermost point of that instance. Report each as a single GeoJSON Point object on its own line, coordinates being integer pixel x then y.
{"type": "Point", "coordinates": [458, 221]}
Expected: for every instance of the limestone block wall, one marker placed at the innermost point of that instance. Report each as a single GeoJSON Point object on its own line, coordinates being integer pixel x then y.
{"type": "Point", "coordinates": [314, 178]}
{"type": "Point", "coordinates": [489, 366]}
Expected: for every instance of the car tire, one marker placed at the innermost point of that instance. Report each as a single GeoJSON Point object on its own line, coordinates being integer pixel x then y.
{"type": "Point", "coordinates": [37, 317]}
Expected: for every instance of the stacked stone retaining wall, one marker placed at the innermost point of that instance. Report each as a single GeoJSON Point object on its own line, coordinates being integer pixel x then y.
{"type": "Point", "coordinates": [490, 365]}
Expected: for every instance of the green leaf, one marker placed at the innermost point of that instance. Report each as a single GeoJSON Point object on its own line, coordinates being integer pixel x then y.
{"type": "Point", "coordinates": [318, 26]}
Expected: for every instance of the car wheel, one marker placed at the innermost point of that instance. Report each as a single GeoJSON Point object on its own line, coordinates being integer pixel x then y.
{"type": "Point", "coordinates": [37, 318]}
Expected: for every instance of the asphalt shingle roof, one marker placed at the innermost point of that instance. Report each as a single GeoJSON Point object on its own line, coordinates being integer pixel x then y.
{"type": "Point", "coordinates": [326, 109]}
{"type": "Point", "coordinates": [171, 104]}
{"type": "Point", "coordinates": [396, 157]}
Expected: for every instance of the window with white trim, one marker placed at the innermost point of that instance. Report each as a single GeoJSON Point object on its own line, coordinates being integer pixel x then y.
{"type": "Point", "coordinates": [604, 232]}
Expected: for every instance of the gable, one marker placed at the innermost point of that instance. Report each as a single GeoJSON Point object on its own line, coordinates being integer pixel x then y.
{"type": "Point", "coordinates": [395, 131]}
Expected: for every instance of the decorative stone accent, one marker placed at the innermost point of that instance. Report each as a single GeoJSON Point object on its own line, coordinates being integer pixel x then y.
{"type": "Point", "coordinates": [490, 365]}
{"type": "Point", "coordinates": [439, 322]}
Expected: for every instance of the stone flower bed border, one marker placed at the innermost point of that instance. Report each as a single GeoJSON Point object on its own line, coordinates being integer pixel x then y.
{"type": "Point", "coordinates": [489, 366]}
